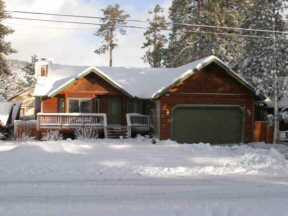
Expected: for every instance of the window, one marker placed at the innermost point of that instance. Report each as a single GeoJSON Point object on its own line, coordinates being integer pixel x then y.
{"type": "Point", "coordinates": [80, 105]}
{"type": "Point", "coordinates": [44, 70]}
{"type": "Point", "coordinates": [74, 106]}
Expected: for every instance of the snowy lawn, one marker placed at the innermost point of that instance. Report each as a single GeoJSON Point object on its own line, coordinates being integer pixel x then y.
{"type": "Point", "coordinates": [135, 177]}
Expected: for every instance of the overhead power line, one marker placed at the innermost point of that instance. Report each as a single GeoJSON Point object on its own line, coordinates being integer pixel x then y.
{"type": "Point", "coordinates": [75, 16]}
{"type": "Point", "coordinates": [141, 27]}
{"type": "Point", "coordinates": [73, 22]}
{"type": "Point", "coordinates": [142, 21]}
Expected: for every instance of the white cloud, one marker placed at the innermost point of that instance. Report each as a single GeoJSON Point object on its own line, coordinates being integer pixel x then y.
{"type": "Point", "coordinates": [70, 43]}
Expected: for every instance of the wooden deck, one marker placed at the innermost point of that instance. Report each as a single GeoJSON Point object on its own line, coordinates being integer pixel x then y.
{"type": "Point", "coordinates": [72, 121]}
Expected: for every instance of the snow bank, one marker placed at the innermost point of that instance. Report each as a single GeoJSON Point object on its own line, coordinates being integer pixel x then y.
{"type": "Point", "coordinates": [135, 159]}
{"type": "Point", "coordinates": [224, 160]}
{"type": "Point", "coordinates": [135, 177]}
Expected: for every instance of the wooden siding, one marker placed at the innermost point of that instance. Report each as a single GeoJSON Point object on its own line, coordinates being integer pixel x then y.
{"type": "Point", "coordinates": [50, 105]}
{"type": "Point", "coordinates": [28, 102]}
{"type": "Point", "coordinates": [210, 86]}
{"type": "Point", "coordinates": [90, 86]}
{"type": "Point", "coordinates": [263, 132]}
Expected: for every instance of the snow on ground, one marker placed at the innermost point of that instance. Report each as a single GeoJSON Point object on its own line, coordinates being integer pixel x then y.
{"type": "Point", "coordinates": [135, 177]}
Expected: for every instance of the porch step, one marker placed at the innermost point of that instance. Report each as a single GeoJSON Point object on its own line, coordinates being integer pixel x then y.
{"type": "Point", "coordinates": [117, 132]}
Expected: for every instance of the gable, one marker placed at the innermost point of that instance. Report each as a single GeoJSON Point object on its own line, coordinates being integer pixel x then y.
{"type": "Point", "coordinates": [212, 79]}
{"type": "Point", "coordinates": [144, 83]}
{"type": "Point", "coordinates": [90, 85]}
{"type": "Point", "coordinates": [25, 97]}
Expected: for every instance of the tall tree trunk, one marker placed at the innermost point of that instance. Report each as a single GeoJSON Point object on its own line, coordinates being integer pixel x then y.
{"type": "Point", "coordinates": [110, 62]}
{"type": "Point", "coordinates": [276, 107]}
{"type": "Point", "coordinates": [111, 48]}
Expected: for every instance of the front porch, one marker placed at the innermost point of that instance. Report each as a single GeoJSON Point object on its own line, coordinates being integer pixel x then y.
{"type": "Point", "coordinates": [135, 123]}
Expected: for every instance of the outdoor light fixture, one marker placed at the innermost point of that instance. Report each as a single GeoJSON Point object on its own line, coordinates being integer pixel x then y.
{"type": "Point", "coordinates": [167, 112]}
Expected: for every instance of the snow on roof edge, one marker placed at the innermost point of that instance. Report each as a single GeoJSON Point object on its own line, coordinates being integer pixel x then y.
{"type": "Point", "coordinates": [206, 61]}
{"type": "Point", "coordinates": [199, 64]}
{"type": "Point", "coordinates": [87, 71]}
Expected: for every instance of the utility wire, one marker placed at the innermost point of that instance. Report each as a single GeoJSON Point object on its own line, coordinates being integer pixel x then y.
{"type": "Point", "coordinates": [75, 16]}
{"type": "Point", "coordinates": [73, 22]}
{"type": "Point", "coordinates": [142, 21]}
{"type": "Point", "coordinates": [141, 27]}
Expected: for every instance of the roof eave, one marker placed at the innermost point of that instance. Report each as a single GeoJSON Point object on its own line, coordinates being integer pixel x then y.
{"type": "Point", "coordinates": [200, 66]}
{"type": "Point", "coordinates": [243, 82]}
{"type": "Point", "coordinates": [85, 73]}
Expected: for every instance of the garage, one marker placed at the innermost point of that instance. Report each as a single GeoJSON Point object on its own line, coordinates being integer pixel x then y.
{"type": "Point", "coordinates": [208, 124]}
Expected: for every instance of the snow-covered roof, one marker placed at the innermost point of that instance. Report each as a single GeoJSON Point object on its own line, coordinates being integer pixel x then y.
{"type": "Point", "coordinates": [143, 83]}
{"type": "Point", "coordinates": [19, 93]}
{"type": "Point", "coordinates": [8, 109]}
{"type": "Point", "coordinates": [5, 111]}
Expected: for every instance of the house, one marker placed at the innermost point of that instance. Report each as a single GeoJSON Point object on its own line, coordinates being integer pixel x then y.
{"type": "Point", "coordinates": [27, 107]}
{"type": "Point", "coordinates": [204, 101]}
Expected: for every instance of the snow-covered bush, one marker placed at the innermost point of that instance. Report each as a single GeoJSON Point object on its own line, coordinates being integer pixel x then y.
{"type": "Point", "coordinates": [86, 133]}
{"type": "Point", "coordinates": [270, 118]}
{"type": "Point", "coordinates": [284, 116]}
{"type": "Point", "coordinates": [52, 135]}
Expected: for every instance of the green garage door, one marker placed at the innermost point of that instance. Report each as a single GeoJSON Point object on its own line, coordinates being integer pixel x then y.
{"type": "Point", "coordinates": [208, 124]}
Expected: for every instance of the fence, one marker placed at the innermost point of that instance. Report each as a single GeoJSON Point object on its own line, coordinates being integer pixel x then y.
{"type": "Point", "coordinates": [137, 121]}
{"type": "Point", "coordinates": [25, 129]}
{"type": "Point", "coordinates": [263, 132]}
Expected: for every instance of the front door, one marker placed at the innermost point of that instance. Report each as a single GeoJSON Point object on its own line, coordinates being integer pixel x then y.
{"type": "Point", "coordinates": [114, 110]}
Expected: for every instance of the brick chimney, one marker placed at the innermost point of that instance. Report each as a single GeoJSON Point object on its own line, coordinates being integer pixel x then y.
{"type": "Point", "coordinates": [42, 67]}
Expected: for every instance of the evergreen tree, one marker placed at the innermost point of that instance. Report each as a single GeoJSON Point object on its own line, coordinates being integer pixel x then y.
{"type": "Point", "coordinates": [113, 18]}
{"type": "Point", "coordinates": [264, 58]}
{"type": "Point", "coordinates": [155, 40]}
{"type": "Point", "coordinates": [5, 47]}
{"type": "Point", "coordinates": [29, 70]}
{"type": "Point", "coordinates": [187, 43]}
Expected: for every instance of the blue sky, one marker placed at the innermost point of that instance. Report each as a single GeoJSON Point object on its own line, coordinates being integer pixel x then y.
{"type": "Point", "coordinates": [74, 44]}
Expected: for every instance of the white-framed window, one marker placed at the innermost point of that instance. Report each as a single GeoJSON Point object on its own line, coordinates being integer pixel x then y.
{"type": "Point", "coordinates": [79, 105]}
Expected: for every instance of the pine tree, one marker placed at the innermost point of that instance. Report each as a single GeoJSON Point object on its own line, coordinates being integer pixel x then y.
{"type": "Point", "coordinates": [29, 70]}
{"type": "Point", "coordinates": [187, 43]}
{"type": "Point", "coordinates": [178, 13]}
{"type": "Point", "coordinates": [266, 59]}
{"type": "Point", "coordinates": [155, 40]}
{"type": "Point", "coordinates": [263, 58]}
{"type": "Point", "coordinates": [113, 18]}
{"type": "Point", "coordinates": [5, 47]}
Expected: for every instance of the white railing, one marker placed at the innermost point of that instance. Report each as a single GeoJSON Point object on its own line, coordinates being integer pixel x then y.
{"type": "Point", "coordinates": [138, 121]}
{"type": "Point", "coordinates": [71, 120]}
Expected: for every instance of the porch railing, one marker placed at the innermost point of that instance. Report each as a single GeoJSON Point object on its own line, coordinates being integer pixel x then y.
{"type": "Point", "coordinates": [71, 120]}
{"type": "Point", "coordinates": [138, 121]}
